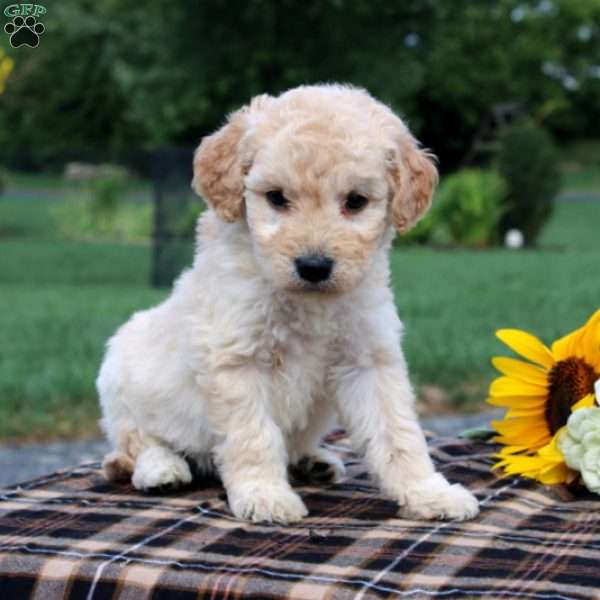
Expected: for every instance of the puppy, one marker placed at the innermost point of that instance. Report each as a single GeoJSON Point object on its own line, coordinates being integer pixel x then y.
{"type": "Point", "coordinates": [286, 320]}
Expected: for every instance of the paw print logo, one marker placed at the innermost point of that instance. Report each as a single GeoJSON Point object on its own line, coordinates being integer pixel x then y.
{"type": "Point", "coordinates": [24, 32]}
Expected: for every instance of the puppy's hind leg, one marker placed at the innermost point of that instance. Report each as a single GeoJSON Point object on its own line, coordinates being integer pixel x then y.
{"type": "Point", "coordinates": [148, 462]}
{"type": "Point", "coordinates": [309, 462]}
{"type": "Point", "coordinates": [202, 466]}
{"type": "Point", "coordinates": [158, 468]}
{"type": "Point", "coordinates": [117, 466]}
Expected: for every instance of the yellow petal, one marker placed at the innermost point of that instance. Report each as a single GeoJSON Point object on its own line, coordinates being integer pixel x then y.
{"type": "Point", "coordinates": [523, 371]}
{"type": "Point", "coordinates": [589, 348]}
{"type": "Point", "coordinates": [533, 443]}
{"type": "Point", "coordinates": [526, 345]}
{"type": "Point", "coordinates": [507, 386]}
{"type": "Point", "coordinates": [566, 346]}
{"type": "Point", "coordinates": [529, 431]}
{"type": "Point", "coordinates": [518, 425]}
{"type": "Point", "coordinates": [524, 412]}
{"type": "Point", "coordinates": [551, 451]}
{"type": "Point", "coordinates": [508, 450]}
{"type": "Point", "coordinates": [547, 465]}
{"type": "Point", "coordinates": [588, 401]}
{"type": "Point", "coordinates": [532, 439]}
{"type": "Point", "coordinates": [583, 342]}
{"type": "Point", "coordinates": [518, 401]}
{"type": "Point", "coordinates": [522, 464]}
{"type": "Point", "coordinates": [555, 474]}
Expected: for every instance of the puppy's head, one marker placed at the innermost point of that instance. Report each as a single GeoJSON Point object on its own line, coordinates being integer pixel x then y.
{"type": "Point", "coordinates": [320, 174]}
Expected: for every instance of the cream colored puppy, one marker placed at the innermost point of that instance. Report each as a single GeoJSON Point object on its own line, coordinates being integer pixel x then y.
{"type": "Point", "coordinates": [286, 319]}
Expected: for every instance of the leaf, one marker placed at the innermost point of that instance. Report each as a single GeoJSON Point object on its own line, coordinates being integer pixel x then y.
{"type": "Point", "coordinates": [480, 434]}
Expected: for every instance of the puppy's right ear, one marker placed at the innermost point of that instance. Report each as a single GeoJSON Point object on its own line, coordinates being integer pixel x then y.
{"type": "Point", "coordinates": [224, 158]}
{"type": "Point", "coordinates": [219, 168]}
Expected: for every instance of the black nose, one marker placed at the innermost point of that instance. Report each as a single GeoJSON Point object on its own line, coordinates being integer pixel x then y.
{"type": "Point", "coordinates": [314, 267]}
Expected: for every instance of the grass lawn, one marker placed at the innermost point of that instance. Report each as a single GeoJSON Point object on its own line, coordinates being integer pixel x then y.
{"type": "Point", "coordinates": [452, 302]}
{"type": "Point", "coordinates": [60, 300]}
{"type": "Point", "coordinates": [55, 182]}
{"type": "Point", "coordinates": [582, 179]}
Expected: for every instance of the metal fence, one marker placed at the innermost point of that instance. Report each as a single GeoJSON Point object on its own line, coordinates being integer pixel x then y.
{"type": "Point", "coordinates": [176, 208]}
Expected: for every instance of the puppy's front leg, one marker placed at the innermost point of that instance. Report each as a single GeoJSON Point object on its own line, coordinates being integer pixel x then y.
{"type": "Point", "coordinates": [376, 406]}
{"type": "Point", "coordinates": [252, 457]}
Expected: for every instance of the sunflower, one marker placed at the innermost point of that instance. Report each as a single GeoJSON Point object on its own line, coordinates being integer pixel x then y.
{"type": "Point", "coordinates": [540, 396]}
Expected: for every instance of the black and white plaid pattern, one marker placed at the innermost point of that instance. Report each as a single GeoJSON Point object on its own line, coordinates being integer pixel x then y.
{"type": "Point", "coordinates": [73, 535]}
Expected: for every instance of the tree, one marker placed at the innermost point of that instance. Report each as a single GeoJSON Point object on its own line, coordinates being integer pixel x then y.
{"type": "Point", "coordinates": [113, 74]}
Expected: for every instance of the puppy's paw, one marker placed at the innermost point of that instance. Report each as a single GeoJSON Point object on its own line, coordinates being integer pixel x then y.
{"type": "Point", "coordinates": [159, 469]}
{"type": "Point", "coordinates": [320, 466]}
{"type": "Point", "coordinates": [435, 498]}
{"type": "Point", "coordinates": [273, 503]}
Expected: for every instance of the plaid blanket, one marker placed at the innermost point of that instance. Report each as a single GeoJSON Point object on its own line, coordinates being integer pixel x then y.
{"type": "Point", "coordinates": [73, 535]}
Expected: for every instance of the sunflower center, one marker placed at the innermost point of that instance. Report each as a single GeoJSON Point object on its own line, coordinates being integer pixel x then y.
{"type": "Point", "coordinates": [569, 381]}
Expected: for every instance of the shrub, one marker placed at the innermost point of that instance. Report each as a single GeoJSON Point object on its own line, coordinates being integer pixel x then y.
{"type": "Point", "coordinates": [106, 193]}
{"type": "Point", "coordinates": [582, 154]}
{"type": "Point", "coordinates": [470, 206]}
{"type": "Point", "coordinates": [466, 210]}
{"type": "Point", "coordinates": [100, 209]}
{"type": "Point", "coordinates": [424, 232]}
{"type": "Point", "coordinates": [185, 226]}
{"type": "Point", "coordinates": [528, 161]}
{"type": "Point", "coordinates": [132, 221]}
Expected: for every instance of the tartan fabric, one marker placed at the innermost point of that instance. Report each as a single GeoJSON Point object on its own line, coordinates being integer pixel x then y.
{"type": "Point", "coordinates": [73, 535]}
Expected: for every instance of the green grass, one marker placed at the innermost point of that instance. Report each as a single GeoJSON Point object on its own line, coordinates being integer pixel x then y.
{"type": "Point", "coordinates": [67, 213]}
{"type": "Point", "coordinates": [55, 182]}
{"type": "Point", "coordinates": [575, 226]}
{"type": "Point", "coordinates": [453, 301]}
{"type": "Point", "coordinates": [30, 218]}
{"type": "Point", "coordinates": [39, 181]}
{"type": "Point", "coordinates": [580, 163]}
{"type": "Point", "coordinates": [53, 337]}
{"type": "Point", "coordinates": [72, 263]}
{"type": "Point", "coordinates": [60, 301]}
{"type": "Point", "coordinates": [581, 179]}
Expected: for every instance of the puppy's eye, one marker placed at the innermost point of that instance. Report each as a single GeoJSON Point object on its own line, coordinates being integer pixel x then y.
{"type": "Point", "coordinates": [355, 202]}
{"type": "Point", "coordinates": [277, 199]}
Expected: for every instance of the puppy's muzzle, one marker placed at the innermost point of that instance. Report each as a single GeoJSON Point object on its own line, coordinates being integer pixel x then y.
{"type": "Point", "coordinates": [314, 268]}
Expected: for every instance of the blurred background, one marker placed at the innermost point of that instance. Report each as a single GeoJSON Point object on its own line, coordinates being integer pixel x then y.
{"type": "Point", "coordinates": [98, 123]}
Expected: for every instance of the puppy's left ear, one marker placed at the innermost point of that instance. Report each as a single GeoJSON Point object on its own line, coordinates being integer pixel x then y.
{"type": "Point", "coordinates": [414, 177]}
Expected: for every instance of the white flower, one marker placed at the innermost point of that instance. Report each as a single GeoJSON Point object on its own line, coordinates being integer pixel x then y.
{"type": "Point", "coordinates": [572, 450]}
{"type": "Point", "coordinates": [514, 239]}
{"type": "Point", "coordinates": [580, 444]}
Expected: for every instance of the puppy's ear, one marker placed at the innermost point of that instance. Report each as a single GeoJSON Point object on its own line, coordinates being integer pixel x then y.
{"type": "Point", "coordinates": [414, 177]}
{"type": "Point", "coordinates": [218, 175]}
{"type": "Point", "coordinates": [219, 167]}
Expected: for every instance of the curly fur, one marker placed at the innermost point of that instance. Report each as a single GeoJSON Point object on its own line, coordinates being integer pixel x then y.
{"type": "Point", "coordinates": [245, 366]}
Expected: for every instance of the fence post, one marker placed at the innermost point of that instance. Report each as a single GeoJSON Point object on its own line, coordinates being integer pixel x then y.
{"type": "Point", "coordinates": [173, 227]}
